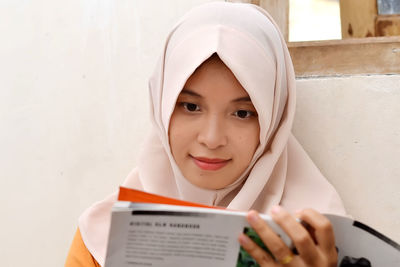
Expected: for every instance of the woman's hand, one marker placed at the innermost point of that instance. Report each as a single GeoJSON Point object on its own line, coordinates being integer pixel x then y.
{"type": "Point", "coordinates": [314, 249]}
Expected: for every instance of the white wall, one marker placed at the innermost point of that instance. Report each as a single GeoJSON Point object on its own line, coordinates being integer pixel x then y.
{"type": "Point", "coordinates": [350, 127]}
{"type": "Point", "coordinates": [73, 113]}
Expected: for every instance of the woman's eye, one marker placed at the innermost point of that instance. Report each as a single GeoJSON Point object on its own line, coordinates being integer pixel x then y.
{"type": "Point", "coordinates": [190, 107]}
{"type": "Point", "coordinates": [243, 114]}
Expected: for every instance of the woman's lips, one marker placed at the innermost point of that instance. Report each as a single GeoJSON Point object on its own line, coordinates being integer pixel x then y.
{"type": "Point", "coordinates": [210, 164]}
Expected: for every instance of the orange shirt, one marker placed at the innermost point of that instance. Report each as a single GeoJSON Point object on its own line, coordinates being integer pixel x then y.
{"type": "Point", "coordinates": [79, 255]}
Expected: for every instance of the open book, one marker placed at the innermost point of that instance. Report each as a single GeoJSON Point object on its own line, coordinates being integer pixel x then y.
{"type": "Point", "coordinates": [151, 230]}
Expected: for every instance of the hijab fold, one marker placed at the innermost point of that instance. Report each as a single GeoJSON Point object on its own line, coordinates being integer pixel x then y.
{"type": "Point", "coordinates": [249, 43]}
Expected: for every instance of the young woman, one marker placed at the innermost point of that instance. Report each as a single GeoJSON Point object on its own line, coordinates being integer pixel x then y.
{"type": "Point", "coordinates": [223, 102]}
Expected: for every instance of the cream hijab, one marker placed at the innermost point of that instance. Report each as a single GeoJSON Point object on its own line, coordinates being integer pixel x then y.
{"type": "Point", "coordinates": [248, 42]}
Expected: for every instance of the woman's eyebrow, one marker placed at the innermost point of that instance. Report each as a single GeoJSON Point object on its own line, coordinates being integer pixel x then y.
{"type": "Point", "coordinates": [242, 99]}
{"type": "Point", "coordinates": [186, 91]}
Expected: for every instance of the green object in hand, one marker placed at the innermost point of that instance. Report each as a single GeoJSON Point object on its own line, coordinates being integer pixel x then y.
{"type": "Point", "coordinates": [244, 258]}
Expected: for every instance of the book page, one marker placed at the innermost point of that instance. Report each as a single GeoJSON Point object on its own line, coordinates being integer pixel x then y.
{"type": "Point", "coordinates": [165, 235]}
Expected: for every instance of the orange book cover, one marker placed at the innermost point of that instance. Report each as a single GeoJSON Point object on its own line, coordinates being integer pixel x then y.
{"type": "Point", "coordinates": [133, 195]}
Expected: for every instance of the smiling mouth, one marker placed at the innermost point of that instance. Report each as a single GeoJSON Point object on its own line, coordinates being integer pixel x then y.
{"type": "Point", "coordinates": [209, 164]}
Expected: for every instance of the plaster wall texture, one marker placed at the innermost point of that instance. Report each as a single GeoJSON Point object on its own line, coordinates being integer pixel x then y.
{"type": "Point", "coordinates": [74, 112]}
{"type": "Point", "coordinates": [350, 128]}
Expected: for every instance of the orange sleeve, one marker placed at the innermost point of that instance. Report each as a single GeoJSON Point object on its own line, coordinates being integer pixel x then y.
{"type": "Point", "coordinates": [79, 255]}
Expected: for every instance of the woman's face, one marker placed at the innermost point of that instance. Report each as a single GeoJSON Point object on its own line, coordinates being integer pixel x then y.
{"type": "Point", "coordinates": [214, 128]}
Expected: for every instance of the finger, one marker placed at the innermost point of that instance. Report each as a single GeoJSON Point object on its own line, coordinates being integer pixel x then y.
{"type": "Point", "coordinates": [273, 242]}
{"type": "Point", "coordinates": [257, 253]}
{"type": "Point", "coordinates": [299, 235]}
{"type": "Point", "coordinates": [323, 230]}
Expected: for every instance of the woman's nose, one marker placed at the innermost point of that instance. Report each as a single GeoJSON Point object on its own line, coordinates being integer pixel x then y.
{"type": "Point", "coordinates": [213, 132]}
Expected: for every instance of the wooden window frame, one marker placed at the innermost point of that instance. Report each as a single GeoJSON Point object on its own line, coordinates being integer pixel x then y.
{"type": "Point", "coordinates": [373, 55]}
